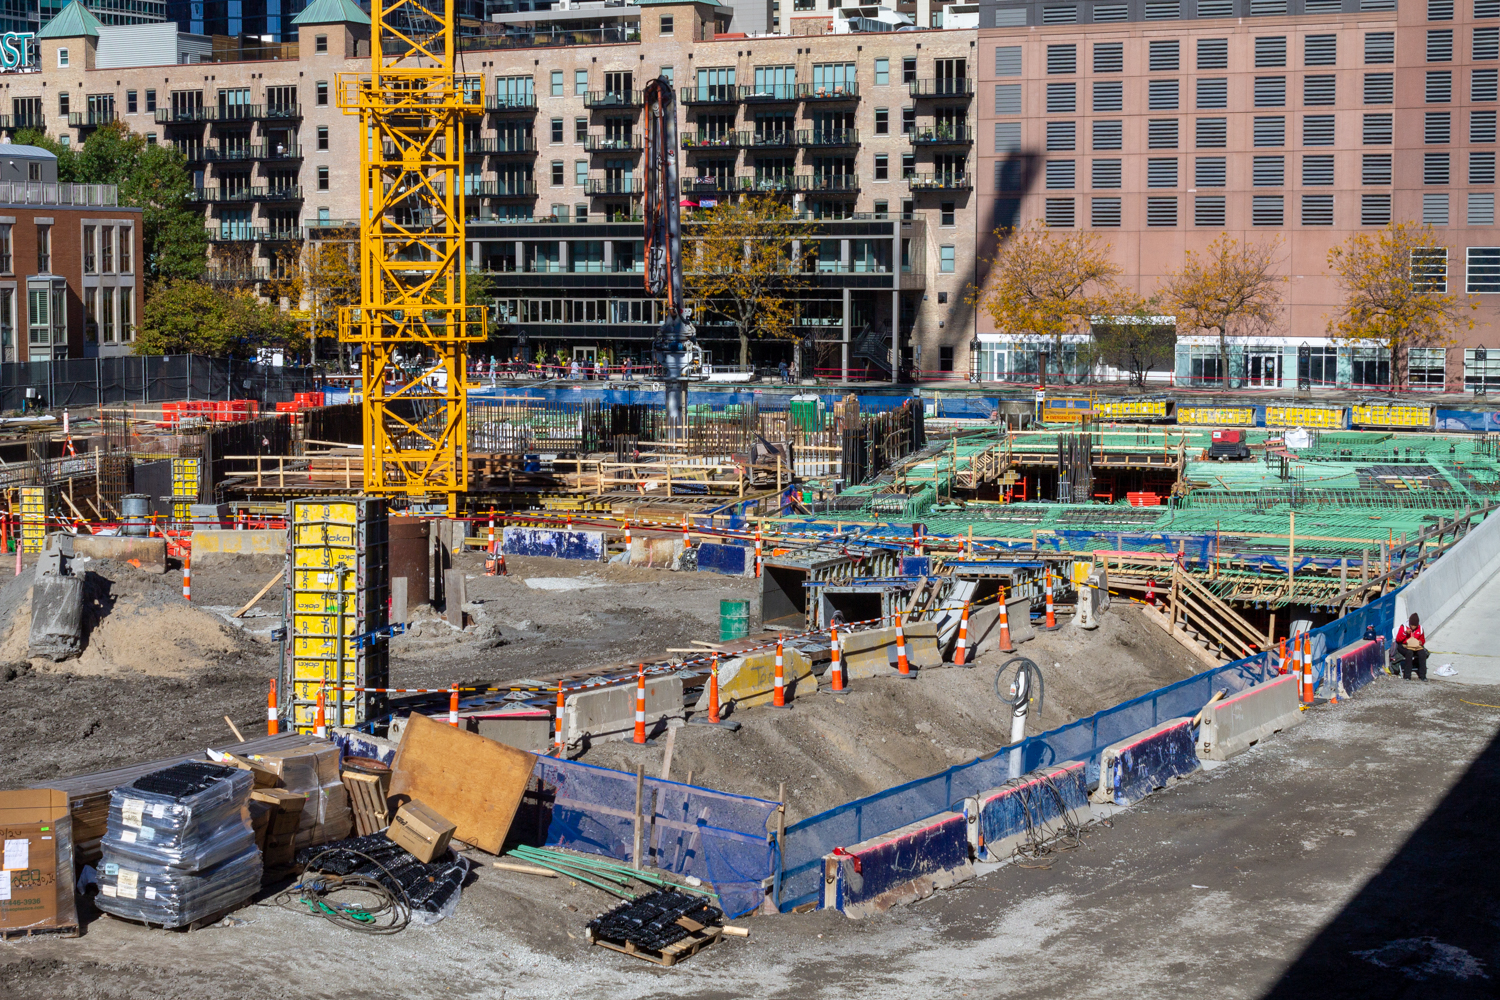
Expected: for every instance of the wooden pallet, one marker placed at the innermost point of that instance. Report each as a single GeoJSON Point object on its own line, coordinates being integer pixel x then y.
{"type": "Point", "coordinates": [25, 933]}
{"type": "Point", "coordinates": [367, 801]}
{"type": "Point", "coordinates": [698, 938]}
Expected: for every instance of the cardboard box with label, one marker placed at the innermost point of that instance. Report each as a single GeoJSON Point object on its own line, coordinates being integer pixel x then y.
{"type": "Point", "coordinates": [36, 868]}
{"type": "Point", "coordinates": [421, 831]}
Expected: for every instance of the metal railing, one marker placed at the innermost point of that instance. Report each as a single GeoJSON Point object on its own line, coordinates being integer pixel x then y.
{"type": "Point", "coordinates": [828, 91]}
{"type": "Point", "coordinates": [828, 137]}
{"type": "Point", "coordinates": [169, 116]}
{"type": "Point", "coordinates": [613, 99]}
{"type": "Point", "coordinates": [715, 140]}
{"type": "Point", "coordinates": [256, 152]}
{"type": "Point", "coordinates": [713, 93]}
{"type": "Point", "coordinates": [941, 135]}
{"type": "Point", "coordinates": [827, 182]}
{"type": "Point", "coordinates": [91, 119]}
{"type": "Point", "coordinates": [510, 102]}
{"type": "Point", "coordinates": [235, 113]}
{"type": "Point", "coordinates": [616, 185]}
{"type": "Point", "coordinates": [614, 144]}
{"type": "Point", "coordinates": [769, 140]}
{"type": "Point", "coordinates": [291, 192]}
{"type": "Point", "coordinates": [505, 188]}
{"type": "Point", "coordinates": [501, 145]}
{"type": "Point", "coordinates": [769, 92]}
{"type": "Point", "coordinates": [235, 234]}
{"type": "Point", "coordinates": [38, 193]}
{"type": "Point", "coordinates": [955, 87]}
{"type": "Point", "coordinates": [940, 182]}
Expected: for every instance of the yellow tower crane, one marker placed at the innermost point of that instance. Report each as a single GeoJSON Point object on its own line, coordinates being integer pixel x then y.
{"type": "Point", "coordinates": [411, 109]}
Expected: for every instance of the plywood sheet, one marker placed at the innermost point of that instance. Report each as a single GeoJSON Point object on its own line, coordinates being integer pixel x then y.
{"type": "Point", "coordinates": [473, 782]}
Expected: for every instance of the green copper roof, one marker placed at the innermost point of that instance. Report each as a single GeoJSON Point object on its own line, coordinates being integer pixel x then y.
{"type": "Point", "coordinates": [332, 12]}
{"type": "Point", "coordinates": [73, 21]}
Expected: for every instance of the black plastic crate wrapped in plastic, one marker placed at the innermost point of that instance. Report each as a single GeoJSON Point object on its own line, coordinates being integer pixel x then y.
{"type": "Point", "coordinates": [171, 897]}
{"type": "Point", "coordinates": [189, 816]}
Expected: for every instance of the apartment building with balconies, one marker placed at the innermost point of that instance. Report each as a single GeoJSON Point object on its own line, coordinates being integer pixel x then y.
{"type": "Point", "coordinates": [1161, 124]}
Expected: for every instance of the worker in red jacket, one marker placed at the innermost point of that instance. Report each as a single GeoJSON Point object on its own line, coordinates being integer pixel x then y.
{"type": "Point", "coordinates": [1411, 646]}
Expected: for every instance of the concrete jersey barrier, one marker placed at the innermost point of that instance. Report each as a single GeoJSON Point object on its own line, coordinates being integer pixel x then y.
{"type": "Point", "coordinates": [1357, 664]}
{"type": "Point", "coordinates": [1138, 765]}
{"type": "Point", "coordinates": [1238, 723]}
{"type": "Point", "coordinates": [999, 819]}
{"type": "Point", "coordinates": [729, 560]}
{"type": "Point", "coordinates": [555, 543]}
{"type": "Point", "coordinates": [872, 653]}
{"type": "Point", "coordinates": [605, 714]}
{"type": "Point", "coordinates": [898, 867]}
{"type": "Point", "coordinates": [217, 542]}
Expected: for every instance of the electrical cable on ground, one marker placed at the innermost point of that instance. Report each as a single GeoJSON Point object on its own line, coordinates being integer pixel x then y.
{"type": "Point", "coordinates": [386, 913]}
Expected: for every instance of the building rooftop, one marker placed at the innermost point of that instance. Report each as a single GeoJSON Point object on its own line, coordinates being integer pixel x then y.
{"type": "Point", "coordinates": [73, 21]}
{"type": "Point", "coordinates": [332, 12]}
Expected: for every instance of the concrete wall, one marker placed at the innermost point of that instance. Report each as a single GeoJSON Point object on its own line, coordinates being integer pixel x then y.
{"type": "Point", "coordinates": [1443, 587]}
{"type": "Point", "coordinates": [216, 542]}
{"type": "Point", "coordinates": [1236, 724]}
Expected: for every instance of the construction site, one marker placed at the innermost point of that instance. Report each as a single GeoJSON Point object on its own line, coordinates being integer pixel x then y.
{"type": "Point", "coordinates": [662, 688]}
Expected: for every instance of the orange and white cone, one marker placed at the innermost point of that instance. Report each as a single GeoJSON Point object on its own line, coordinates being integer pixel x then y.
{"type": "Point", "coordinates": [489, 563]}
{"type": "Point", "coordinates": [640, 705]}
{"type": "Point", "coordinates": [453, 706]}
{"type": "Point", "coordinates": [1051, 611]}
{"type": "Point", "coordinates": [778, 695]}
{"type": "Point", "coordinates": [557, 727]}
{"type": "Point", "coordinates": [836, 664]}
{"type": "Point", "coordinates": [713, 692]}
{"type": "Point", "coordinates": [1309, 694]}
{"type": "Point", "coordinates": [273, 724]}
{"type": "Point", "coordinates": [187, 578]}
{"type": "Point", "coordinates": [903, 666]}
{"type": "Point", "coordinates": [1005, 643]}
{"type": "Point", "coordinates": [687, 539]}
{"type": "Point", "coordinates": [320, 721]}
{"type": "Point", "coordinates": [757, 552]}
{"type": "Point", "coordinates": [1283, 665]}
{"type": "Point", "coordinates": [961, 648]}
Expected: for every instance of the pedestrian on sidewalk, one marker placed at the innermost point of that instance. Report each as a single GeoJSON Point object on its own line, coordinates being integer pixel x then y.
{"type": "Point", "coordinates": [1411, 646]}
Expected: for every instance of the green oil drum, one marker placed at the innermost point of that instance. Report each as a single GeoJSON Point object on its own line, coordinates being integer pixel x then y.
{"type": "Point", "coordinates": [734, 620]}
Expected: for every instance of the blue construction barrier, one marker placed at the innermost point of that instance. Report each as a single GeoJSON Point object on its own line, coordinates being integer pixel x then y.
{"type": "Point", "coordinates": [1359, 663]}
{"type": "Point", "coordinates": [900, 866]}
{"type": "Point", "coordinates": [1135, 767]}
{"type": "Point", "coordinates": [715, 836]}
{"type": "Point", "coordinates": [554, 543]}
{"type": "Point", "coordinates": [730, 560]}
{"type": "Point", "coordinates": [1032, 805]}
{"type": "Point", "coordinates": [808, 840]}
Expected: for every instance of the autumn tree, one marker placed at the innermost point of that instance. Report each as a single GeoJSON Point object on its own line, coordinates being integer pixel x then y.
{"type": "Point", "coordinates": [151, 177]}
{"type": "Point", "coordinates": [741, 263]}
{"type": "Point", "coordinates": [330, 282]}
{"type": "Point", "coordinates": [194, 317]}
{"type": "Point", "coordinates": [1045, 284]}
{"type": "Point", "coordinates": [1230, 289]}
{"type": "Point", "coordinates": [1395, 283]}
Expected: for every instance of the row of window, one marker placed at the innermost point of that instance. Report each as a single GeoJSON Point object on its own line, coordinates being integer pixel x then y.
{"type": "Point", "coordinates": [1266, 210]}
{"type": "Point", "coordinates": [106, 249]}
{"type": "Point", "coordinates": [1266, 131]}
{"type": "Point", "coordinates": [1165, 55]}
{"type": "Point", "coordinates": [1174, 10]}
{"type": "Point", "coordinates": [1266, 171]}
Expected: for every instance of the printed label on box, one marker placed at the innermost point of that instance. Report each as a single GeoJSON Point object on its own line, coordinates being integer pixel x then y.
{"type": "Point", "coordinates": [130, 811]}
{"type": "Point", "coordinates": [126, 884]}
{"type": "Point", "coordinates": [150, 892]}
{"type": "Point", "coordinates": [4, 885]}
{"type": "Point", "coordinates": [127, 836]}
{"type": "Point", "coordinates": [17, 853]}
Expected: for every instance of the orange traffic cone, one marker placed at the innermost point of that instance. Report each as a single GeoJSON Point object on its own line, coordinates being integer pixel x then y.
{"type": "Point", "coordinates": [1005, 644]}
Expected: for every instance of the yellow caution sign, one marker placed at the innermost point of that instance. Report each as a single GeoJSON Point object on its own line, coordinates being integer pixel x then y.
{"type": "Point", "coordinates": [1217, 416]}
{"type": "Point", "coordinates": [1323, 417]}
{"type": "Point", "coordinates": [1393, 416]}
{"type": "Point", "coordinates": [1120, 409]}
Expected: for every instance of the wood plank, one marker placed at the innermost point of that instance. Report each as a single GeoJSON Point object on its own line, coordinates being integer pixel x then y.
{"type": "Point", "coordinates": [473, 782]}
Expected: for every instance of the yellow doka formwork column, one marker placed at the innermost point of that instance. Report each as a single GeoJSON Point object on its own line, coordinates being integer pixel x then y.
{"type": "Point", "coordinates": [411, 108]}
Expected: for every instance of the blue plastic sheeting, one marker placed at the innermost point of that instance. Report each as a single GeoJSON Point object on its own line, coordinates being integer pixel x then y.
{"type": "Point", "coordinates": [1153, 759]}
{"type": "Point", "coordinates": [698, 395]}
{"type": "Point", "coordinates": [809, 839]}
{"type": "Point", "coordinates": [928, 850]}
{"type": "Point", "coordinates": [916, 566]}
{"type": "Point", "coordinates": [731, 560]}
{"type": "Point", "coordinates": [718, 837]}
{"type": "Point", "coordinates": [1358, 664]}
{"type": "Point", "coordinates": [556, 543]}
{"type": "Point", "coordinates": [1028, 803]}
{"type": "Point", "coordinates": [1468, 420]}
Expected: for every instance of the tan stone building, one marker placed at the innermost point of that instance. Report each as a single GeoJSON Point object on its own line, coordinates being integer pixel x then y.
{"type": "Point", "coordinates": [871, 133]}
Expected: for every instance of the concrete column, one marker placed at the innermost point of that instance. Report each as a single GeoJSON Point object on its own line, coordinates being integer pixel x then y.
{"type": "Point", "coordinates": [895, 332]}
{"type": "Point", "coordinates": [844, 255]}
{"type": "Point", "coordinates": [475, 255]}
{"type": "Point", "coordinates": [564, 253]}
{"type": "Point", "coordinates": [844, 347]}
{"type": "Point", "coordinates": [520, 255]}
{"type": "Point", "coordinates": [609, 255]}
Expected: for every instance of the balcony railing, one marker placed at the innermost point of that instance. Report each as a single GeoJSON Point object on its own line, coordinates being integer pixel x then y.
{"type": "Point", "coordinates": [828, 91]}
{"type": "Point", "coordinates": [235, 233]}
{"type": "Point", "coordinates": [767, 184]}
{"type": "Point", "coordinates": [510, 102]}
{"type": "Point", "coordinates": [769, 92]}
{"type": "Point", "coordinates": [613, 99]}
{"type": "Point", "coordinates": [282, 112]}
{"type": "Point", "coordinates": [170, 116]}
{"type": "Point", "coordinates": [942, 135]}
{"type": "Point", "coordinates": [828, 183]}
{"type": "Point", "coordinates": [230, 275]}
{"type": "Point", "coordinates": [504, 188]}
{"type": "Point", "coordinates": [11, 122]}
{"type": "Point", "coordinates": [243, 153]}
{"type": "Point", "coordinates": [609, 34]}
{"type": "Point", "coordinates": [773, 140]}
{"type": "Point", "coordinates": [940, 182]}
{"type": "Point", "coordinates": [713, 185]}
{"type": "Point", "coordinates": [955, 87]}
{"type": "Point", "coordinates": [501, 145]}
{"type": "Point", "coordinates": [713, 93]}
{"type": "Point", "coordinates": [217, 195]}
{"type": "Point", "coordinates": [235, 113]}
{"type": "Point", "coordinates": [91, 119]}
{"type": "Point", "coordinates": [828, 137]}
{"type": "Point", "coordinates": [38, 193]}
{"type": "Point", "coordinates": [715, 140]}
{"type": "Point", "coordinates": [321, 228]}
{"type": "Point", "coordinates": [616, 185]}
{"type": "Point", "coordinates": [614, 143]}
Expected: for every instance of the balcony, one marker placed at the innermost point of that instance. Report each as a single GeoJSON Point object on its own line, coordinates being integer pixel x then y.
{"type": "Point", "coordinates": [501, 146]}
{"type": "Point", "coordinates": [235, 113]}
{"type": "Point", "coordinates": [614, 143]}
{"type": "Point", "coordinates": [283, 112]}
{"type": "Point", "coordinates": [771, 93]}
{"type": "Point", "coordinates": [91, 119]}
{"type": "Point", "coordinates": [285, 192]}
{"type": "Point", "coordinates": [828, 183]}
{"type": "Point", "coordinates": [237, 275]}
{"type": "Point", "coordinates": [502, 103]}
{"type": "Point", "coordinates": [235, 232]}
{"type": "Point", "coordinates": [323, 228]}
{"type": "Point", "coordinates": [942, 135]}
{"type": "Point", "coordinates": [616, 185]}
{"type": "Point", "coordinates": [715, 140]}
{"type": "Point", "coordinates": [173, 116]}
{"type": "Point", "coordinates": [828, 91]}
{"type": "Point", "coordinates": [217, 195]}
{"type": "Point", "coordinates": [506, 187]}
{"type": "Point", "coordinates": [956, 87]}
{"type": "Point", "coordinates": [613, 99]}
{"type": "Point", "coordinates": [828, 138]}
{"type": "Point", "coordinates": [10, 123]}
{"type": "Point", "coordinates": [714, 185]}
{"type": "Point", "coordinates": [941, 182]}
{"type": "Point", "coordinates": [773, 140]}
{"type": "Point", "coordinates": [768, 184]}
{"type": "Point", "coordinates": [714, 93]}
{"type": "Point", "coordinates": [247, 153]}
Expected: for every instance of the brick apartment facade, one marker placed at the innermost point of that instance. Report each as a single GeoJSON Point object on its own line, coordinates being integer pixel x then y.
{"type": "Point", "coordinates": [1160, 124]}
{"type": "Point", "coordinates": [872, 133]}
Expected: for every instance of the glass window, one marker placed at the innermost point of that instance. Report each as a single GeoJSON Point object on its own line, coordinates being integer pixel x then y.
{"type": "Point", "coordinates": [581, 172]}
{"type": "Point", "coordinates": [107, 314]}
{"type": "Point", "coordinates": [90, 256]}
{"type": "Point", "coordinates": [666, 25]}
{"type": "Point", "coordinates": [580, 82]}
{"type": "Point", "coordinates": [557, 83]}
{"type": "Point", "coordinates": [322, 178]}
{"type": "Point", "coordinates": [43, 248]}
{"type": "Point", "coordinates": [107, 249]}
{"type": "Point", "coordinates": [1426, 367]}
{"type": "Point", "coordinates": [321, 90]}
{"type": "Point", "coordinates": [320, 43]}
{"type": "Point", "coordinates": [947, 259]}
{"type": "Point", "coordinates": [323, 137]}
{"type": "Point", "coordinates": [130, 102]}
{"type": "Point", "coordinates": [1317, 365]}
{"type": "Point", "coordinates": [150, 100]}
{"type": "Point", "coordinates": [882, 121]}
{"type": "Point", "coordinates": [5, 248]}
{"type": "Point", "coordinates": [882, 72]}
{"type": "Point", "coordinates": [126, 232]}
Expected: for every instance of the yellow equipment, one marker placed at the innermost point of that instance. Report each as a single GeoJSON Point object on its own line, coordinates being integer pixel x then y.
{"type": "Point", "coordinates": [411, 109]}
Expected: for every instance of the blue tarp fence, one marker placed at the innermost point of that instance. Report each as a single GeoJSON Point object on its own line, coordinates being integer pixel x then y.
{"type": "Point", "coordinates": [808, 840]}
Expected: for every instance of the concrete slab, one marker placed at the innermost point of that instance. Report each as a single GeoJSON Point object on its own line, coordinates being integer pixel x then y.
{"type": "Point", "coordinates": [1467, 640]}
